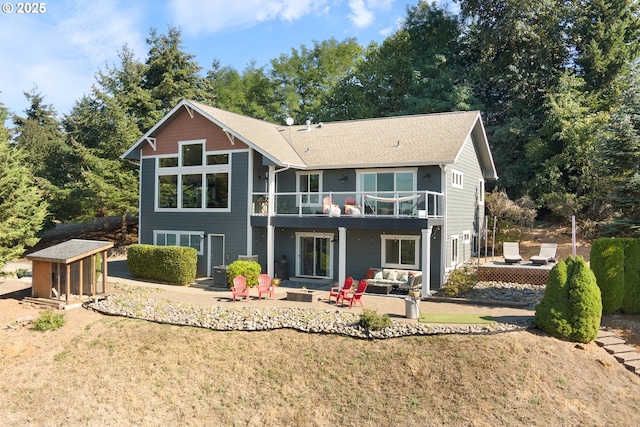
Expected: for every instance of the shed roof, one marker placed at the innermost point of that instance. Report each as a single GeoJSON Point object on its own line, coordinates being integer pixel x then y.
{"type": "Point", "coordinates": [70, 251]}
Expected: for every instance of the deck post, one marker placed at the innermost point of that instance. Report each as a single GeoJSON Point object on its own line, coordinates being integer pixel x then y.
{"type": "Point", "coordinates": [426, 261]}
{"type": "Point", "coordinates": [342, 255]}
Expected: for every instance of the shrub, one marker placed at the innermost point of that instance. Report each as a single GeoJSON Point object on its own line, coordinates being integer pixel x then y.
{"type": "Point", "coordinates": [170, 264]}
{"type": "Point", "coordinates": [372, 321]}
{"type": "Point", "coordinates": [571, 307]}
{"type": "Point", "coordinates": [460, 281]}
{"type": "Point", "coordinates": [249, 269]}
{"type": "Point", "coordinates": [631, 300]}
{"type": "Point", "coordinates": [49, 321]}
{"type": "Point", "coordinates": [607, 263]}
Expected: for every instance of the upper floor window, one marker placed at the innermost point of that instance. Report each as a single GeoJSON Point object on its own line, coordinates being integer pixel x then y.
{"type": "Point", "coordinates": [194, 179]}
{"type": "Point", "coordinates": [456, 178]}
{"type": "Point", "coordinates": [389, 192]}
{"type": "Point", "coordinates": [481, 191]}
{"type": "Point", "coordinates": [309, 185]}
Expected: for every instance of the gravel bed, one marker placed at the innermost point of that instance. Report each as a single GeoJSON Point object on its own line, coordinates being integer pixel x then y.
{"type": "Point", "coordinates": [134, 303]}
{"type": "Point", "coordinates": [505, 292]}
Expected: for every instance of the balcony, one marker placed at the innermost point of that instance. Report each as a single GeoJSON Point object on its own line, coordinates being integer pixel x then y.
{"type": "Point", "coordinates": [381, 204]}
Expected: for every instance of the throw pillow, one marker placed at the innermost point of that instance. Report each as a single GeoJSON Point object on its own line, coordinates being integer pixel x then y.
{"type": "Point", "coordinates": [378, 275]}
{"type": "Point", "coordinates": [392, 275]}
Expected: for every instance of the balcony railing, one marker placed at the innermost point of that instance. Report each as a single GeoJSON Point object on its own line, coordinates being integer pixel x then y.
{"type": "Point", "coordinates": [394, 204]}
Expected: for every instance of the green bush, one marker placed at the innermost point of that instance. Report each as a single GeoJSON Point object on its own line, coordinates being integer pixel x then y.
{"type": "Point", "coordinates": [170, 264]}
{"type": "Point", "coordinates": [249, 269]}
{"type": "Point", "coordinates": [607, 263]}
{"type": "Point", "coordinates": [49, 321]}
{"type": "Point", "coordinates": [630, 303]}
{"type": "Point", "coordinates": [460, 281]}
{"type": "Point", "coordinates": [572, 306]}
{"type": "Point", "coordinates": [372, 321]}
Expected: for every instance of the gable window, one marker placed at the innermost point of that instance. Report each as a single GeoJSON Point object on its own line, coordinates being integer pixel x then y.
{"type": "Point", "coordinates": [193, 180]}
{"type": "Point", "coordinates": [399, 251]}
{"type": "Point", "coordinates": [309, 185]}
{"type": "Point", "coordinates": [191, 239]}
{"type": "Point", "coordinates": [456, 178]}
{"type": "Point", "coordinates": [481, 191]}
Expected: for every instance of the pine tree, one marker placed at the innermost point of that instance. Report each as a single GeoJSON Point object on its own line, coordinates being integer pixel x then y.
{"type": "Point", "coordinates": [22, 209]}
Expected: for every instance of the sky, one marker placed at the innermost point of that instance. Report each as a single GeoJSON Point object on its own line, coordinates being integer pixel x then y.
{"type": "Point", "coordinates": [59, 50]}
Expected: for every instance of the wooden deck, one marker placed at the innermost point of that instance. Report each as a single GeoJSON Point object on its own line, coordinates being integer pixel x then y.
{"type": "Point", "coordinates": [526, 272]}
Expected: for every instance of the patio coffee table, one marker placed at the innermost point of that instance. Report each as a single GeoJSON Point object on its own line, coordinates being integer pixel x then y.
{"type": "Point", "coordinates": [303, 295]}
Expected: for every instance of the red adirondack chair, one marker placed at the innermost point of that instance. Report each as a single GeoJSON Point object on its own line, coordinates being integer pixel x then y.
{"type": "Point", "coordinates": [265, 286]}
{"type": "Point", "coordinates": [338, 293]}
{"type": "Point", "coordinates": [240, 288]}
{"type": "Point", "coordinates": [356, 297]}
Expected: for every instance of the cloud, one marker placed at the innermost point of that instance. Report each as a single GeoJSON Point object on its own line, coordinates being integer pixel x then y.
{"type": "Point", "coordinates": [360, 15]}
{"type": "Point", "coordinates": [60, 51]}
{"type": "Point", "coordinates": [210, 16]}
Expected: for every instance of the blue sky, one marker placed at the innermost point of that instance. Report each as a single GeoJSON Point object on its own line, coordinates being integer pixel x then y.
{"type": "Point", "coordinates": [61, 49]}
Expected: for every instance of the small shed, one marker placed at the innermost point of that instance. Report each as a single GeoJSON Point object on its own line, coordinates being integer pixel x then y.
{"type": "Point", "coordinates": [70, 272]}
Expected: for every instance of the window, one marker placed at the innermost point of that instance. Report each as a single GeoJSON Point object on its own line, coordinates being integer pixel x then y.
{"type": "Point", "coordinates": [455, 240]}
{"type": "Point", "coordinates": [193, 180]}
{"type": "Point", "coordinates": [191, 239]}
{"type": "Point", "coordinates": [466, 237]}
{"type": "Point", "coordinates": [456, 179]}
{"type": "Point", "coordinates": [481, 190]}
{"type": "Point", "coordinates": [400, 251]}
{"type": "Point", "coordinates": [392, 184]}
{"type": "Point", "coordinates": [309, 186]}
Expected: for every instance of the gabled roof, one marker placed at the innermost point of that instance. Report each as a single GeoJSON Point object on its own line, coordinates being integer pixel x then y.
{"type": "Point", "coordinates": [425, 139]}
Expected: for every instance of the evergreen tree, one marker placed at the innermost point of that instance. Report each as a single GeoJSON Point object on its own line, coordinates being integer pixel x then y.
{"type": "Point", "coordinates": [100, 132]}
{"type": "Point", "coordinates": [172, 74]}
{"type": "Point", "coordinates": [22, 209]}
{"type": "Point", "coordinates": [619, 154]}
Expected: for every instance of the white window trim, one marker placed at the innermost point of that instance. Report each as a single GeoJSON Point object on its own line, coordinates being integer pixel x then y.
{"type": "Point", "coordinates": [383, 251]}
{"type": "Point", "coordinates": [466, 237]}
{"type": "Point", "coordinates": [179, 171]}
{"type": "Point", "coordinates": [457, 178]}
{"type": "Point", "coordinates": [178, 233]}
{"type": "Point", "coordinates": [319, 193]}
{"type": "Point", "coordinates": [203, 160]}
{"type": "Point", "coordinates": [481, 190]}
{"type": "Point", "coordinates": [455, 249]}
{"type": "Point", "coordinates": [329, 236]}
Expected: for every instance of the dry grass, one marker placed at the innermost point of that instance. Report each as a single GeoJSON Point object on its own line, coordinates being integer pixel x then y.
{"type": "Point", "coordinates": [99, 370]}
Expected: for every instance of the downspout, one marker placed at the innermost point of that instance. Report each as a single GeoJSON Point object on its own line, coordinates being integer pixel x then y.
{"type": "Point", "coordinates": [443, 233]}
{"type": "Point", "coordinates": [270, 214]}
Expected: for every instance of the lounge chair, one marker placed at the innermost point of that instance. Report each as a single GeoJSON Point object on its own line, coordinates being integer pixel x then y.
{"type": "Point", "coordinates": [338, 293]}
{"type": "Point", "coordinates": [240, 288]}
{"type": "Point", "coordinates": [356, 297]}
{"type": "Point", "coordinates": [265, 287]}
{"type": "Point", "coordinates": [511, 252]}
{"type": "Point", "coordinates": [547, 254]}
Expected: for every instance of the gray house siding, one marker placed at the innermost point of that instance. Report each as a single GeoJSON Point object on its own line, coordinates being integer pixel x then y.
{"type": "Point", "coordinates": [463, 204]}
{"type": "Point", "coordinates": [363, 250]}
{"type": "Point", "coordinates": [233, 225]}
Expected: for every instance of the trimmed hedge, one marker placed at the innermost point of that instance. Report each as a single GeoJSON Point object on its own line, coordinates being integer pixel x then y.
{"type": "Point", "coordinates": [572, 306]}
{"type": "Point", "coordinates": [249, 269]}
{"type": "Point", "coordinates": [607, 263]}
{"type": "Point", "coordinates": [616, 265]}
{"type": "Point", "coordinates": [170, 264]}
{"type": "Point", "coordinates": [631, 300]}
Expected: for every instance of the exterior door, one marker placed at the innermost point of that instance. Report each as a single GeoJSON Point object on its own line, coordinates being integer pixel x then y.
{"type": "Point", "coordinates": [315, 253]}
{"type": "Point", "coordinates": [216, 251]}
